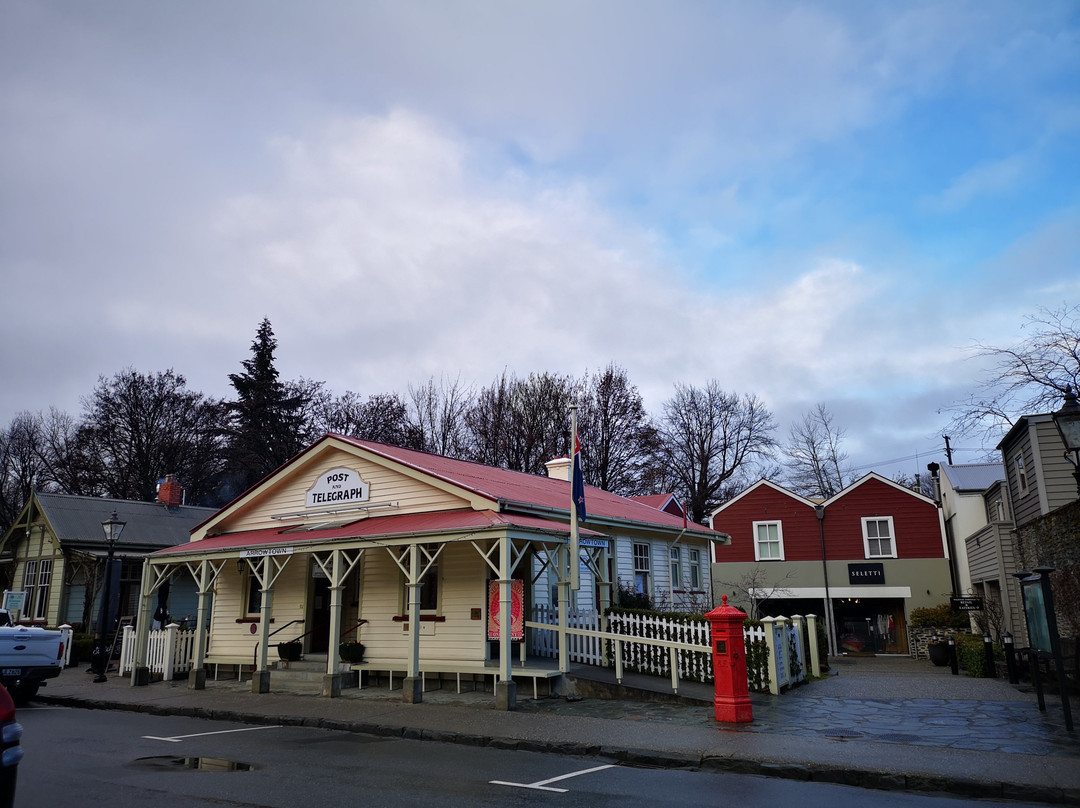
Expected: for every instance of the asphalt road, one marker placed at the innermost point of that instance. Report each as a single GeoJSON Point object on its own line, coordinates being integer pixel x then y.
{"type": "Point", "coordinates": [83, 757]}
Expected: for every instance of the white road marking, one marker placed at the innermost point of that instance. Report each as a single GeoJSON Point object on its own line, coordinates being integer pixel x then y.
{"type": "Point", "coordinates": [542, 785]}
{"type": "Point", "coordinates": [178, 738]}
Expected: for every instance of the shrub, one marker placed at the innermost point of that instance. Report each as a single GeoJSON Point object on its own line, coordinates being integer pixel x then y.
{"type": "Point", "coordinates": [629, 598]}
{"type": "Point", "coordinates": [940, 616]}
{"type": "Point", "coordinates": [971, 655]}
{"type": "Point", "coordinates": [82, 647]}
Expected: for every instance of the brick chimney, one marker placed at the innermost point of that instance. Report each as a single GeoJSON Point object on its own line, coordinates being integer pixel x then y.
{"type": "Point", "coordinates": [559, 468]}
{"type": "Point", "coordinates": [170, 493]}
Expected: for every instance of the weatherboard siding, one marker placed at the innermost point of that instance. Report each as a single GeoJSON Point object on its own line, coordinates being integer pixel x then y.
{"type": "Point", "coordinates": [387, 486]}
{"type": "Point", "coordinates": [231, 638]}
{"type": "Point", "coordinates": [455, 635]}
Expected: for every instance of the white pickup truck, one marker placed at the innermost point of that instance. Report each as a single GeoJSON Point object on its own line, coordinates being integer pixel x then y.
{"type": "Point", "coordinates": [28, 656]}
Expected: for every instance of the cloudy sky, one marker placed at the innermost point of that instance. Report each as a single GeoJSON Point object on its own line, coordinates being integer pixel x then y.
{"type": "Point", "coordinates": [813, 202]}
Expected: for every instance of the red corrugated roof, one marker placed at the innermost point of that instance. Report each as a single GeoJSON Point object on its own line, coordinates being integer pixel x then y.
{"type": "Point", "coordinates": [503, 485]}
{"type": "Point", "coordinates": [372, 528]}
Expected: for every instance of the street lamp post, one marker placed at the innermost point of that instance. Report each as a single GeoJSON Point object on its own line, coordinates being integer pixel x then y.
{"type": "Point", "coordinates": [830, 623]}
{"type": "Point", "coordinates": [1067, 421]}
{"type": "Point", "coordinates": [113, 527]}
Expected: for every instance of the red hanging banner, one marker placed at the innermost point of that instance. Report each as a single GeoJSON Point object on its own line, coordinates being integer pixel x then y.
{"type": "Point", "coordinates": [517, 610]}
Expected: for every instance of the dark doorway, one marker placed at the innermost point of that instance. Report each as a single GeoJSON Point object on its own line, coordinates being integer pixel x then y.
{"type": "Point", "coordinates": [871, 625]}
{"type": "Point", "coordinates": [319, 625]}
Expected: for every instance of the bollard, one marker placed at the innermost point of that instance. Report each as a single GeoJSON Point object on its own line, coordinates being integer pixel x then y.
{"type": "Point", "coordinates": [1010, 658]}
{"type": "Point", "coordinates": [988, 651]}
{"type": "Point", "coordinates": [952, 657]}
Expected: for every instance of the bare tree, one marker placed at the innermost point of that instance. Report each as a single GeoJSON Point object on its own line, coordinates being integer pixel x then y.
{"type": "Point", "coordinates": [919, 483]}
{"type": "Point", "coordinates": [521, 424]}
{"type": "Point", "coordinates": [617, 437]}
{"type": "Point", "coordinates": [814, 465]}
{"type": "Point", "coordinates": [313, 399]}
{"type": "Point", "coordinates": [1029, 377]}
{"type": "Point", "coordinates": [70, 466]}
{"type": "Point", "coordinates": [754, 588]}
{"type": "Point", "coordinates": [383, 417]}
{"type": "Point", "coordinates": [139, 427]}
{"type": "Point", "coordinates": [437, 414]}
{"type": "Point", "coordinates": [707, 436]}
{"type": "Point", "coordinates": [489, 421]}
{"type": "Point", "coordinates": [22, 447]}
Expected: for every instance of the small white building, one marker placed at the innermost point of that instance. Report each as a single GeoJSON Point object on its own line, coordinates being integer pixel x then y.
{"type": "Point", "coordinates": [964, 509]}
{"type": "Point", "coordinates": [432, 563]}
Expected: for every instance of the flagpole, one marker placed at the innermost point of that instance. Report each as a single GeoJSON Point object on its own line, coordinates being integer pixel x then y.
{"type": "Point", "coordinates": [575, 458]}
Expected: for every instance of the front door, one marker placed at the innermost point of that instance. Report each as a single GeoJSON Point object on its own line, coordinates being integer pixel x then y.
{"type": "Point", "coordinates": [319, 625]}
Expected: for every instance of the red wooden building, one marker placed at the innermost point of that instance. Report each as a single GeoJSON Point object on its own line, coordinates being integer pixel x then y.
{"type": "Point", "coordinates": [861, 559]}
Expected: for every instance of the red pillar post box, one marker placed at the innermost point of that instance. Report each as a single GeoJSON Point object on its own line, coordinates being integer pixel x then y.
{"type": "Point", "coordinates": [732, 699]}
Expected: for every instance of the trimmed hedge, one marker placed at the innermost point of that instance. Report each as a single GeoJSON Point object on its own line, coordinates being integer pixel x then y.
{"type": "Point", "coordinates": [940, 616]}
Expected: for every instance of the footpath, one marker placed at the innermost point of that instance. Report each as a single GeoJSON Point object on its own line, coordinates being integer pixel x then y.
{"type": "Point", "coordinates": [874, 722]}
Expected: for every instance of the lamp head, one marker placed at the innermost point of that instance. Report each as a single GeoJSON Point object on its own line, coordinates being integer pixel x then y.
{"type": "Point", "coordinates": [113, 527]}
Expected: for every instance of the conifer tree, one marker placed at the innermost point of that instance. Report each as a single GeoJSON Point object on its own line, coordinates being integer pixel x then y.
{"type": "Point", "coordinates": [266, 424]}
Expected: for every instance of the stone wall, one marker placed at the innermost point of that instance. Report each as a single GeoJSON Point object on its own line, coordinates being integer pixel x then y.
{"type": "Point", "coordinates": [919, 636]}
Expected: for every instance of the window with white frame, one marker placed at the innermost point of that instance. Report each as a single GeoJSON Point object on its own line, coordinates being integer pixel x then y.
{"type": "Point", "coordinates": [642, 569]}
{"type": "Point", "coordinates": [38, 577]}
{"type": "Point", "coordinates": [878, 538]}
{"type": "Point", "coordinates": [695, 568]}
{"type": "Point", "coordinates": [676, 569]}
{"type": "Point", "coordinates": [1021, 474]}
{"type": "Point", "coordinates": [768, 541]}
{"type": "Point", "coordinates": [429, 589]}
{"type": "Point", "coordinates": [252, 593]}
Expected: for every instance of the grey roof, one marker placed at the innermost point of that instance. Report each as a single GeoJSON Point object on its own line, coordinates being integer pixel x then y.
{"type": "Point", "coordinates": [974, 476]}
{"type": "Point", "coordinates": [77, 521]}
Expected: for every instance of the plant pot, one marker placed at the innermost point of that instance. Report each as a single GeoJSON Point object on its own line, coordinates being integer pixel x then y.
{"type": "Point", "coordinates": [938, 653]}
{"type": "Point", "coordinates": [290, 651]}
{"type": "Point", "coordinates": [351, 652]}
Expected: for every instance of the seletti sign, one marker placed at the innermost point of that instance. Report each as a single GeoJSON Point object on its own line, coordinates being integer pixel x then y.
{"type": "Point", "coordinates": [517, 610]}
{"type": "Point", "coordinates": [863, 574]}
{"type": "Point", "coordinates": [340, 486]}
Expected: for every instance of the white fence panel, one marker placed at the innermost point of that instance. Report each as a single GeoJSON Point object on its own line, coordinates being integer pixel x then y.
{"type": "Point", "coordinates": [67, 634]}
{"type": "Point", "coordinates": [169, 651]}
{"type": "Point", "coordinates": [545, 644]}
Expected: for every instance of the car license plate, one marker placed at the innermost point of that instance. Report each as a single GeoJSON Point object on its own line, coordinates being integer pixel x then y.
{"type": "Point", "coordinates": [12, 671]}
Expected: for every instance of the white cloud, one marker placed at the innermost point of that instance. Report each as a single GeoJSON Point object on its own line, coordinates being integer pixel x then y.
{"type": "Point", "coordinates": [993, 178]}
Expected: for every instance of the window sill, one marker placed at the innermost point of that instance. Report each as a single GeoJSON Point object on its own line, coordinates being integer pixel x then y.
{"type": "Point", "coordinates": [424, 618]}
{"type": "Point", "coordinates": [251, 620]}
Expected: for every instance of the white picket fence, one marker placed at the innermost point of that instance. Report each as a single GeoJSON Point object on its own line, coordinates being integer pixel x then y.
{"type": "Point", "coordinates": [782, 637]}
{"type": "Point", "coordinates": [648, 644]}
{"type": "Point", "coordinates": [168, 652]}
{"type": "Point", "coordinates": [586, 650]}
{"type": "Point", "coordinates": [67, 634]}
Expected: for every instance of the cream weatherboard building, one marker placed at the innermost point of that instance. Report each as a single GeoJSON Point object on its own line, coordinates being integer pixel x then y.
{"type": "Point", "coordinates": [432, 563]}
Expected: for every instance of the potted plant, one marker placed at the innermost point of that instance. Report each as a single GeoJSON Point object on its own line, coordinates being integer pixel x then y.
{"type": "Point", "coordinates": [938, 651]}
{"type": "Point", "coordinates": [351, 651]}
{"type": "Point", "coordinates": [290, 651]}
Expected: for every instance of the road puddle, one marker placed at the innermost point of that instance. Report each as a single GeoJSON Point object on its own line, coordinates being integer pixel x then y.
{"type": "Point", "coordinates": [202, 764]}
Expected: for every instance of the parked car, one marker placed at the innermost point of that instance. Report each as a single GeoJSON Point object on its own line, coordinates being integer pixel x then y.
{"type": "Point", "coordinates": [11, 751]}
{"type": "Point", "coordinates": [28, 656]}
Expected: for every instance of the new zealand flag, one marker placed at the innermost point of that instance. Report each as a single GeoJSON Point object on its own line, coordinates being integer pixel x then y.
{"type": "Point", "coordinates": [579, 481]}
